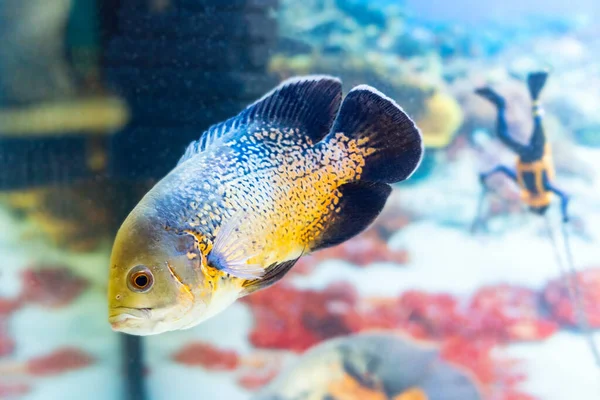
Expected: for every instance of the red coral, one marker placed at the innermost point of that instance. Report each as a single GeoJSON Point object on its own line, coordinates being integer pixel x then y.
{"type": "Point", "coordinates": [507, 313]}
{"type": "Point", "coordinates": [501, 312]}
{"type": "Point", "coordinates": [556, 296]}
{"type": "Point", "coordinates": [423, 316]}
{"type": "Point", "coordinates": [295, 319]}
{"type": "Point", "coordinates": [438, 314]}
{"type": "Point", "coordinates": [380, 313]}
{"type": "Point", "coordinates": [498, 378]}
{"type": "Point", "coordinates": [367, 248]}
{"type": "Point", "coordinates": [473, 355]}
{"type": "Point", "coordinates": [8, 306]}
{"type": "Point", "coordinates": [51, 286]}
{"type": "Point", "coordinates": [252, 380]}
{"type": "Point", "coordinates": [7, 345]}
{"type": "Point", "coordinates": [13, 390]}
{"type": "Point", "coordinates": [207, 356]}
{"type": "Point", "coordinates": [290, 318]}
{"type": "Point", "coordinates": [260, 369]}
{"type": "Point", "coordinates": [59, 361]}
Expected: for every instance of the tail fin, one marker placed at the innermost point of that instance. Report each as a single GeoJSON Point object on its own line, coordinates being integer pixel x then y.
{"type": "Point", "coordinates": [395, 151]}
{"type": "Point", "coordinates": [367, 114]}
{"type": "Point", "coordinates": [491, 96]}
{"type": "Point", "coordinates": [536, 82]}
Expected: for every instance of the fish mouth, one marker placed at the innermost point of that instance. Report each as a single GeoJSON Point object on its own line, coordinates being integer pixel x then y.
{"type": "Point", "coordinates": [120, 315]}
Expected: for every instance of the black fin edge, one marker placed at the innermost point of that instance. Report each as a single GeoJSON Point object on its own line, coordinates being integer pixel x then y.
{"type": "Point", "coordinates": [398, 142]}
{"type": "Point", "coordinates": [361, 204]}
{"type": "Point", "coordinates": [308, 102]}
{"type": "Point", "coordinates": [272, 275]}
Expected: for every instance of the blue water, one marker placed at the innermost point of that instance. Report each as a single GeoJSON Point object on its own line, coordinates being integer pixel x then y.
{"type": "Point", "coordinates": [507, 10]}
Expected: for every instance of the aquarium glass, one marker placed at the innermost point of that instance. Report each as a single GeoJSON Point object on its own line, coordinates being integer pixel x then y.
{"type": "Point", "coordinates": [478, 279]}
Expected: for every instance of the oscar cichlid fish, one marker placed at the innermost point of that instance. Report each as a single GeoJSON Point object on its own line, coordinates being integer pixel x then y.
{"type": "Point", "coordinates": [297, 171]}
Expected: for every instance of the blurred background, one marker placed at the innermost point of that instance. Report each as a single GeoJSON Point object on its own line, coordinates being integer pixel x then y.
{"type": "Point", "coordinates": [99, 98]}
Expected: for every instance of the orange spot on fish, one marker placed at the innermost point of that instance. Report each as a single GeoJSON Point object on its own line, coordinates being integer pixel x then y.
{"type": "Point", "coordinates": [412, 394]}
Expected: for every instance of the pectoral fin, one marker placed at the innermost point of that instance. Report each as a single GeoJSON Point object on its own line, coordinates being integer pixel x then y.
{"type": "Point", "coordinates": [231, 251]}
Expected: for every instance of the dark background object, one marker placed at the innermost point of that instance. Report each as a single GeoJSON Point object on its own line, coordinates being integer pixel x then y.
{"type": "Point", "coordinates": [252, 25]}
{"type": "Point", "coordinates": [32, 66]}
{"type": "Point", "coordinates": [35, 162]}
{"type": "Point", "coordinates": [182, 65]}
{"type": "Point", "coordinates": [133, 367]}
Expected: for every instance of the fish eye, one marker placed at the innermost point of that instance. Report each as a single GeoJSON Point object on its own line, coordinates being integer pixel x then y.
{"type": "Point", "coordinates": [140, 279]}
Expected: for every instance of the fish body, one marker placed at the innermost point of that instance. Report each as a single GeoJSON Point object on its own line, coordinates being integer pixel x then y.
{"type": "Point", "coordinates": [296, 171]}
{"type": "Point", "coordinates": [372, 366]}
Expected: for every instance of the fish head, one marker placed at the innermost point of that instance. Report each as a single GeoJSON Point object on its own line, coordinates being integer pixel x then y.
{"type": "Point", "coordinates": [155, 276]}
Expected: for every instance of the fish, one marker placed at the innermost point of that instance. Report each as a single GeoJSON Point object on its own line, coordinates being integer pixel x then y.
{"type": "Point", "coordinates": [296, 171]}
{"type": "Point", "coordinates": [376, 365]}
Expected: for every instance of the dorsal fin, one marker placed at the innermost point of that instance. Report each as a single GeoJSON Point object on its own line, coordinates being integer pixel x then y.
{"type": "Point", "coordinates": [210, 136]}
{"type": "Point", "coordinates": [307, 103]}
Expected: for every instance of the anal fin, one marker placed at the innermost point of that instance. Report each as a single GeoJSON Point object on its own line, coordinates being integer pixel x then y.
{"type": "Point", "coordinates": [272, 274]}
{"type": "Point", "coordinates": [360, 203]}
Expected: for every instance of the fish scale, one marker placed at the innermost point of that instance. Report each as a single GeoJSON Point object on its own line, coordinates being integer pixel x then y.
{"type": "Point", "coordinates": [272, 200]}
